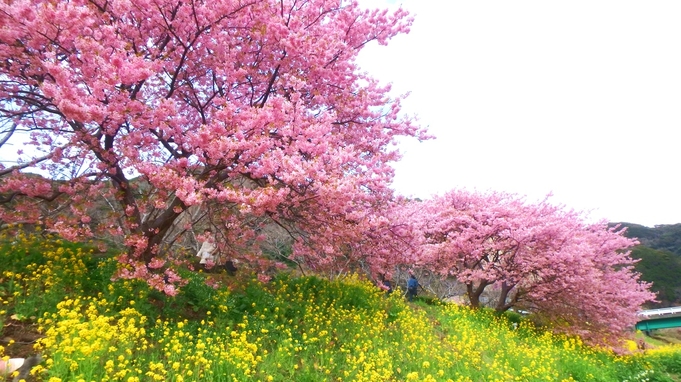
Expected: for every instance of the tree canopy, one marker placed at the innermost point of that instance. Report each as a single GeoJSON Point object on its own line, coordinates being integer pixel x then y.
{"type": "Point", "coordinates": [255, 108]}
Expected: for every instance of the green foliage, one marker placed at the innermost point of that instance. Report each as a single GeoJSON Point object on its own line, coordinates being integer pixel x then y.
{"type": "Point", "coordinates": [39, 271]}
{"type": "Point", "coordinates": [512, 317]}
{"type": "Point", "coordinates": [196, 295]}
{"type": "Point", "coordinates": [245, 303]}
{"type": "Point", "coordinates": [660, 254]}
{"type": "Point", "coordinates": [669, 362]}
{"type": "Point", "coordinates": [666, 237]}
{"type": "Point", "coordinates": [662, 268]}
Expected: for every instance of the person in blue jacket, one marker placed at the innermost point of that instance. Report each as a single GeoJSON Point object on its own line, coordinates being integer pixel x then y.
{"type": "Point", "coordinates": [412, 286]}
{"type": "Point", "coordinates": [387, 285]}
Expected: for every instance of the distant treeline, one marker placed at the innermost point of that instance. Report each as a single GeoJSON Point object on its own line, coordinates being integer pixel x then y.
{"type": "Point", "coordinates": [660, 255]}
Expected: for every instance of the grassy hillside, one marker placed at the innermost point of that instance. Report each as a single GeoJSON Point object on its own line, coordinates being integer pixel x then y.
{"type": "Point", "coordinates": [662, 268]}
{"type": "Point", "coordinates": [660, 259]}
{"type": "Point", "coordinates": [58, 299]}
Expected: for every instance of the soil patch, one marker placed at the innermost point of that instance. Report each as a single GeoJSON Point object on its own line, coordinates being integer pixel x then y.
{"type": "Point", "coordinates": [18, 338]}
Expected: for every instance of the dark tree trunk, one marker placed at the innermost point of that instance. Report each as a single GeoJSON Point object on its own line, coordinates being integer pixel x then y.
{"type": "Point", "coordinates": [501, 304]}
{"type": "Point", "coordinates": [474, 293]}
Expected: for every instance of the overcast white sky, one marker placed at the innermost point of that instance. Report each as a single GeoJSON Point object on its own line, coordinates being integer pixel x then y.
{"type": "Point", "coordinates": [578, 98]}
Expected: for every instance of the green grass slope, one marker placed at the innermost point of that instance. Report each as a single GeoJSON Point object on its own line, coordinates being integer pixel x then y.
{"type": "Point", "coordinates": [89, 328]}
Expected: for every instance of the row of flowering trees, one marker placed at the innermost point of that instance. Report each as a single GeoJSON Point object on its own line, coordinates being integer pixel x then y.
{"type": "Point", "coordinates": [143, 120]}
{"type": "Point", "coordinates": [536, 257]}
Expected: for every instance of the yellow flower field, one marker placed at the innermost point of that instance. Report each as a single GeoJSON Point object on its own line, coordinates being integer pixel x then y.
{"type": "Point", "coordinates": [293, 328]}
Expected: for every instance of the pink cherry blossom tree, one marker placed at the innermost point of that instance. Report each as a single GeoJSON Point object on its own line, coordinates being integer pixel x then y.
{"type": "Point", "coordinates": [537, 257]}
{"type": "Point", "coordinates": [593, 290]}
{"type": "Point", "coordinates": [375, 246]}
{"type": "Point", "coordinates": [247, 112]}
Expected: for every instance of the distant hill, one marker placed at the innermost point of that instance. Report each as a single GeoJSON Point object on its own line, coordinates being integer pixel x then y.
{"type": "Point", "coordinates": [665, 237]}
{"type": "Point", "coordinates": [660, 259]}
{"type": "Point", "coordinates": [662, 268]}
